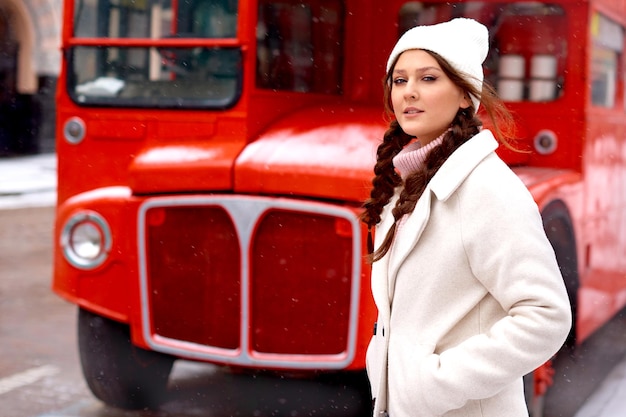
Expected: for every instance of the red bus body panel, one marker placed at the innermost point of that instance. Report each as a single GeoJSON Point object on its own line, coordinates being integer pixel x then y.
{"type": "Point", "coordinates": [321, 152]}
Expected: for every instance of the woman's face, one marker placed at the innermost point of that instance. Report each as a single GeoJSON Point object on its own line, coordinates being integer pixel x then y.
{"type": "Point", "coordinates": [423, 98]}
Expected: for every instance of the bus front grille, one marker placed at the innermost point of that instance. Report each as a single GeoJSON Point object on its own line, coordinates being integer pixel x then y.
{"type": "Point", "coordinates": [250, 281]}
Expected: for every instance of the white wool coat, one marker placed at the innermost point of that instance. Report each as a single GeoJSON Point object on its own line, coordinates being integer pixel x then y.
{"type": "Point", "coordinates": [470, 297]}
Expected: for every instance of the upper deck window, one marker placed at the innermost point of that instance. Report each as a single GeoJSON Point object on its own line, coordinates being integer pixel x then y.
{"type": "Point", "coordinates": [201, 76]}
{"type": "Point", "coordinates": [528, 43]}
{"type": "Point", "coordinates": [155, 18]}
{"type": "Point", "coordinates": [608, 43]}
{"type": "Point", "coordinates": [299, 45]}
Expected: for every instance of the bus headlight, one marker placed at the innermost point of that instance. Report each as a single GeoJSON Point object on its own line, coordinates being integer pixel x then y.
{"type": "Point", "coordinates": [86, 240]}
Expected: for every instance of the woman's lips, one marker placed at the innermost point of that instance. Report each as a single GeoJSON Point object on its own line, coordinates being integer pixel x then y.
{"type": "Point", "coordinates": [412, 110]}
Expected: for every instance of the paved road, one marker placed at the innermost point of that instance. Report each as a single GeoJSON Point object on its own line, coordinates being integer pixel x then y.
{"type": "Point", "coordinates": [39, 370]}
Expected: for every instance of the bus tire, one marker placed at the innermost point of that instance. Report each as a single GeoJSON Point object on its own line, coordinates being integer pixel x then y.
{"type": "Point", "coordinates": [558, 226]}
{"type": "Point", "coordinates": [560, 232]}
{"type": "Point", "coordinates": [117, 372]}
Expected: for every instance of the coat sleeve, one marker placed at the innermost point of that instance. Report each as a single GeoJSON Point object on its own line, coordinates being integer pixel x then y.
{"type": "Point", "coordinates": [509, 253]}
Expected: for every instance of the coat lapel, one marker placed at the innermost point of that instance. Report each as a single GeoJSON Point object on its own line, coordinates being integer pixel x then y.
{"type": "Point", "coordinates": [385, 270]}
{"type": "Point", "coordinates": [407, 237]}
{"type": "Point", "coordinates": [380, 283]}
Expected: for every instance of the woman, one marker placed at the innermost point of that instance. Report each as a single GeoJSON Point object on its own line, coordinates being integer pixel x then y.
{"type": "Point", "coordinates": [469, 294]}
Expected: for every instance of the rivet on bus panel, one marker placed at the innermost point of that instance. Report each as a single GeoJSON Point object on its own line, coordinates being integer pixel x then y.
{"type": "Point", "coordinates": [74, 130]}
{"type": "Point", "coordinates": [545, 142]}
{"type": "Point", "coordinates": [156, 216]}
{"type": "Point", "coordinates": [343, 227]}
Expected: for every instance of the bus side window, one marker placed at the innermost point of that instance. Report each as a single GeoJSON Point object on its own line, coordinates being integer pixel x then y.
{"type": "Point", "coordinates": [299, 46]}
{"type": "Point", "coordinates": [528, 49]}
{"type": "Point", "coordinates": [214, 19]}
{"type": "Point", "coordinates": [532, 47]}
{"type": "Point", "coordinates": [608, 43]}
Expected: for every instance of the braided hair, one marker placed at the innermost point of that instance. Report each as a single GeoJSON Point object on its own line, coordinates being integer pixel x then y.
{"type": "Point", "coordinates": [465, 125]}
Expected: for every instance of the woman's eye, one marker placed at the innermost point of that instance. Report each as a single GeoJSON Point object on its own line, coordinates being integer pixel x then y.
{"type": "Point", "coordinates": [429, 78]}
{"type": "Point", "coordinates": [399, 81]}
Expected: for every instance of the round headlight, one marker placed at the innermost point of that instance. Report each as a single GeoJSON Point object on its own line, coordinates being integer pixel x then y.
{"type": "Point", "coordinates": [86, 240]}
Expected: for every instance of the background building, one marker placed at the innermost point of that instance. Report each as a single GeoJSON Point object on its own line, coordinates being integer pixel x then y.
{"type": "Point", "coordinates": [30, 33]}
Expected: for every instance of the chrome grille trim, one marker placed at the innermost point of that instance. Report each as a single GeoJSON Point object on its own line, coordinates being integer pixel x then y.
{"type": "Point", "coordinates": [245, 212]}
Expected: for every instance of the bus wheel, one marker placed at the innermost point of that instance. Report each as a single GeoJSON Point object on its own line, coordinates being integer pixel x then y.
{"type": "Point", "coordinates": [560, 232]}
{"type": "Point", "coordinates": [117, 372]}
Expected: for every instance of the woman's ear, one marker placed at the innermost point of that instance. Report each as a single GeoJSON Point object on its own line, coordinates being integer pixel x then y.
{"type": "Point", "coordinates": [465, 101]}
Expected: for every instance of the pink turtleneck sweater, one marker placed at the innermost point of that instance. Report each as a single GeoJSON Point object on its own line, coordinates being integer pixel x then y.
{"type": "Point", "coordinates": [412, 157]}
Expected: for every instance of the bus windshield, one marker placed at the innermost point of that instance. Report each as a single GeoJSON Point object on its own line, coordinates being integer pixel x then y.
{"type": "Point", "coordinates": [155, 76]}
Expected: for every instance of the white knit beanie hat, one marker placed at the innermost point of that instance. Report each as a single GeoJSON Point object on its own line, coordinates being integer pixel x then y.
{"type": "Point", "coordinates": [462, 42]}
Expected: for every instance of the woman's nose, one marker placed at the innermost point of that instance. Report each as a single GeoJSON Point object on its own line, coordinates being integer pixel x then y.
{"type": "Point", "coordinates": [410, 91]}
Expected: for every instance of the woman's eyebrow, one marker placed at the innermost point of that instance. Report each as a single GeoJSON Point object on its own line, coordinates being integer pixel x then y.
{"type": "Point", "coordinates": [421, 69]}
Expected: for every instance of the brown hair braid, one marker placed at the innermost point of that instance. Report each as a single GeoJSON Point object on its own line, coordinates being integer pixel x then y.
{"type": "Point", "coordinates": [464, 126]}
{"type": "Point", "coordinates": [386, 179]}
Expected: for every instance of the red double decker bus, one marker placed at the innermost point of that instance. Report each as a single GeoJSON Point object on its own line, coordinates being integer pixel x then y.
{"type": "Point", "coordinates": [213, 156]}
